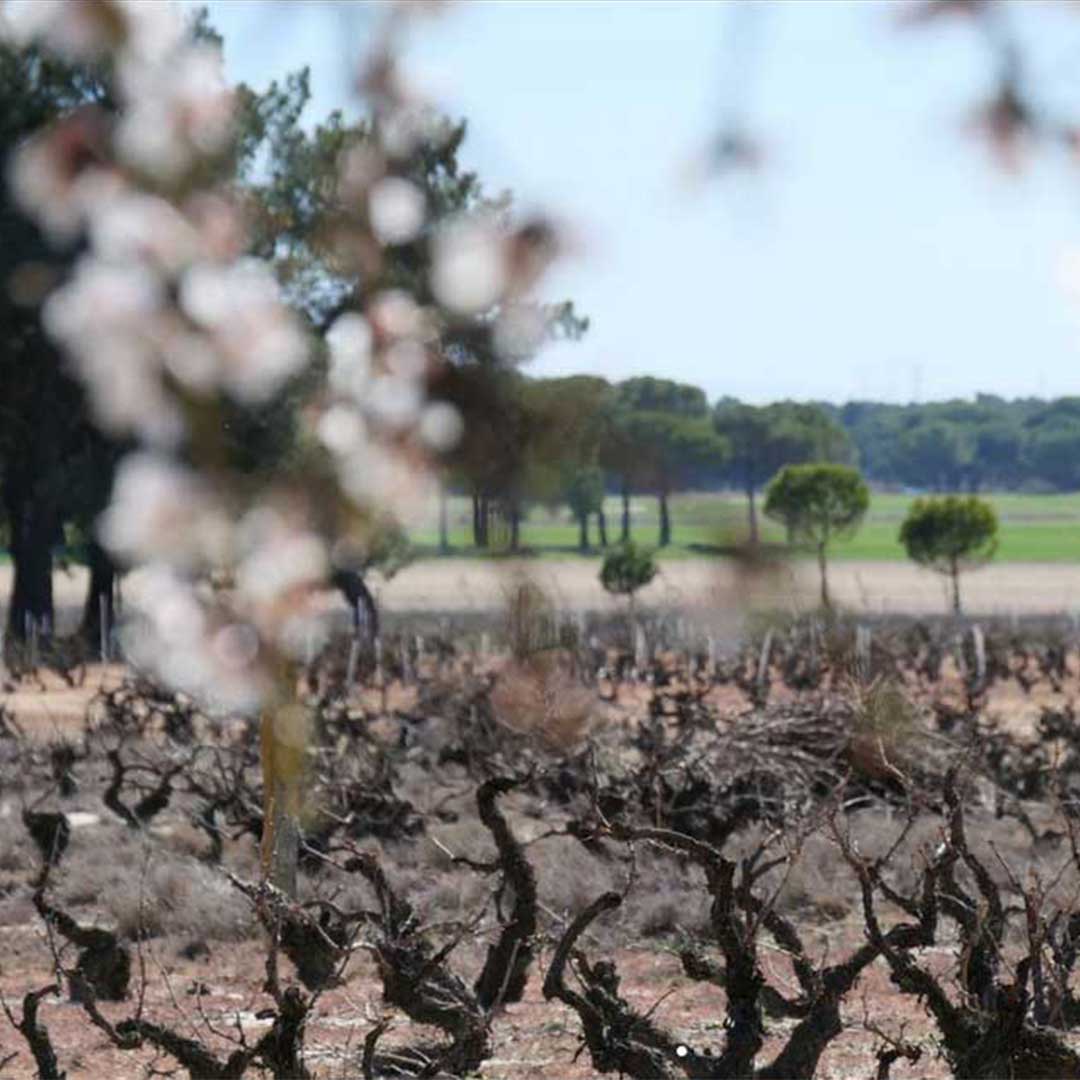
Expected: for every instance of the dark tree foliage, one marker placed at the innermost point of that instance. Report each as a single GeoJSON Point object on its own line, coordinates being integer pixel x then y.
{"type": "Point", "coordinates": [950, 534]}
{"type": "Point", "coordinates": [44, 433]}
{"type": "Point", "coordinates": [818, 504]}
{"type": "Point", "coordinates": [1026, 444]}
{"type": "Point", "coordinates": [766, 438]}
{"type": "Point", "coordinates": [627, 569]}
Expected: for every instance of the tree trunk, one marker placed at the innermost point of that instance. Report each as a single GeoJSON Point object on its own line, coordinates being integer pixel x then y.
{"type": "Point", "coordinates": [625, 537]}
{"type": "Point", "coordinates": [665, 518]}
{"type": "Point", "coordinates": [485, 519]}
{"type": "Point", "coordinates": [583, 532]}
{"type": "Point", "coordinates": [954, 573]}
{"type": "Point", "coordinates": [752, 509]}
{"type": "Point", "coordinates": [444, 530]}
{"type": "Point", "coordinates": [481, 519]}
{"type": "Point", "coordinates": [33, 529]}
{"type": "Point", "coordinates": [100, 593]}
{"type": "Point", "coordinates": [365, 615]}
{"type": "Point", "coordinates": [515, 527]}
{"type": "Point", "coordinates": [601, 525]}
{"type": "Point", "coordinates": [824, 578]}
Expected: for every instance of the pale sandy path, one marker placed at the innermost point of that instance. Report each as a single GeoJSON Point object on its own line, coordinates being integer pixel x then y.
{"type": "Point", "coordinates": [878, 587]}
{"type": "Point", "coordinates": [1020, 588]}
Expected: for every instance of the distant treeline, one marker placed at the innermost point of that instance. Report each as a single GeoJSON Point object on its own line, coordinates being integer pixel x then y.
{"type": "Point", "coordinates": [575, 439]}
{"type": "Point", "coordinates": [1025, 444]}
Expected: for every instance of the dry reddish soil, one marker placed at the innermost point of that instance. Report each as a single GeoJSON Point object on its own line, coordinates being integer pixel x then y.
{"type": "Point", "coordinates": [533, 1039]}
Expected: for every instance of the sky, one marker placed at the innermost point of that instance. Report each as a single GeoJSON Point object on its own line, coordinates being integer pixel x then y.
{"type": "Point", "coordinates": [878, 252]}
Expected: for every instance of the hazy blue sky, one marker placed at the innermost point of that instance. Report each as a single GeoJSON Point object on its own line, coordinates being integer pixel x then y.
{"type": "Point", "coordinates": [878, 254]}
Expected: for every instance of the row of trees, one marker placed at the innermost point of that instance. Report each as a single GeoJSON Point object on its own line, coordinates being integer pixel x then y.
{"type": "Point", "coordinates": [573, 440]}
{"type": "Point", "coordinates": [818, 504]}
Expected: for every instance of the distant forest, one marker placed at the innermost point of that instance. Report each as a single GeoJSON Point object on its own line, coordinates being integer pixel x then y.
{"type": "Point", "coordinates": [572, 440]}
{"type": "Point", "coordinates": [1026, 444]}
{"type": "Point", "coordinates": [985, 443]}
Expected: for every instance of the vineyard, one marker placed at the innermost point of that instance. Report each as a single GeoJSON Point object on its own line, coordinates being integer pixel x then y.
{"type": "Point", "coordinates": [575, 852]}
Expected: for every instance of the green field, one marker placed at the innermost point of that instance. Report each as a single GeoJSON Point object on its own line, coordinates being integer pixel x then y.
{"type": "Point", "coordinates": [1034, 528]}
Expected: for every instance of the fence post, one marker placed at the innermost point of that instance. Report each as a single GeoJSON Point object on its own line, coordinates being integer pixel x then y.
{"type": "Point", "coordinates": [862, 653]}
{"type": "Point", "coordinates": [103, 622]}
{"type": "Point", "coordinates": [350, 667]}
{"type": "Point", "coordinates": [763, 661]}
{"type": "Point", "coordinates": [640, 648]}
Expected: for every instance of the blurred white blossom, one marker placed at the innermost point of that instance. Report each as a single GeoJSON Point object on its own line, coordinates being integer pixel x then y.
{"type": "Point", "coordinates": [53, 178]}
{"type": "Point", "coordinates": [395, 314]}
{"type": "Point", "coordinates": [126, 393]}
{"type": "Point", "coordinates": [192, 648]}
{"type": "Point", "coordinates": [394, 401]}
{"type": "Point", "coordinates": [380, 477]}
{"type": "Point", "coordinates": [257, 338]}
{"type": "Point", "coordinates": [341, 429]}
{"type": "Point", "coordinates": [162, 511]}
{"type": "Point", "coordinates": [76, 29]}
{"type": "Point", "coordinates": [280, 566]}
{"type": "Point", "coordinates": [144, 228]}
{"type": "Point", "coordinates": [407, 360]}
{"type": "Point", "coordinates": [106, 317]}
{"type": "Point", "coordinates": [164, 313]}
{"type": "Point", "coordinates": [407, 125]}
{"type": "Point", "coordinates": [441, 426]}
{"type": "Point", "coordinates": [468, 266]}
{"type": "Point", "coordinates": [177, 111]}
{"type": "Point", "coordinates": [396, 209]}
{"type": "Point", "coordinates": [350, 342]}
{"type": "Point", "coordinates": [519, 331]}
{"type": "Point", "coordinates": [102, 299]}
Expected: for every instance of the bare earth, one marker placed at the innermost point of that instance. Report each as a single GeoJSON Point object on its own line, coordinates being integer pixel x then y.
{"type": "Point", "coordinates": [531, 1039]}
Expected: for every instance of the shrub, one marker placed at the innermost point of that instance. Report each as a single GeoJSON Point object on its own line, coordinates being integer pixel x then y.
{"type": "Point", "coordinates": [627, 569]}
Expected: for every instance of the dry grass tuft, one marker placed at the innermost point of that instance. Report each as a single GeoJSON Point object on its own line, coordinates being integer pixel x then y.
{"type": "Point", "coordinates": [885, 728]}
{"type": "Point", "coordinates": [540, 696]}
{"type": "Point", "coordinates": [146, 891]}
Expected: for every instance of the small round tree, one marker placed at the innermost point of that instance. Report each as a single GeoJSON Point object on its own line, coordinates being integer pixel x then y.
{"type": "Point", "coordinates": [950, 534]}
{"type": "Point", "coordinates": [626, 569]}
{"type": "Point", "coordinates": [818, 504]}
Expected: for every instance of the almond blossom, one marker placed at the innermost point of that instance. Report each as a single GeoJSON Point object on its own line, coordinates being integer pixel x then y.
{"type": "Point", "coordinates": [165, 318]}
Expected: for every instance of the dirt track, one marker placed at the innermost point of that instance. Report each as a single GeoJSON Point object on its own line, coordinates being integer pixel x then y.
{"type": "Point", "coordinates": [879, 587]}
{"type": "Point", "coordinates": [1023, 588]}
